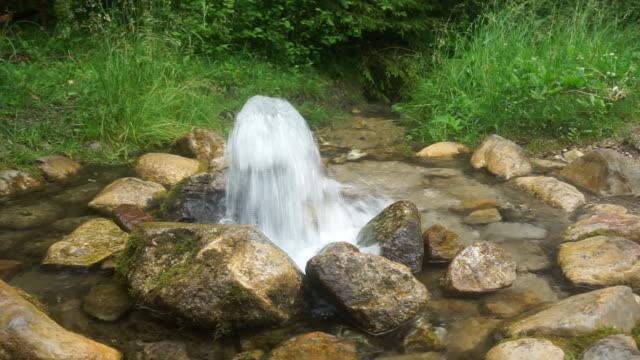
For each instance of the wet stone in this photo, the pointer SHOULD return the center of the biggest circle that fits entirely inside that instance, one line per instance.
(127, 191)
(470, 338)
(315, 346)
(484, 216)
(501, 157)
(249, 355)
(130, 216)
(204, 144)
(14, 182)
(107, 302)
(526, 349)
(166, 169)
(422, 336)
(528, 255)
(440, 244)
(552, 191)
(57, 168)
(481, 267)
(526, 292)
(442, 149)
(200, 199)
(163, 350)
(447, 309)
(8, 268)
(431, 355)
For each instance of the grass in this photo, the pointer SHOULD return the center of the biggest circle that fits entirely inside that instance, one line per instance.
(131, 93)
(532, 71)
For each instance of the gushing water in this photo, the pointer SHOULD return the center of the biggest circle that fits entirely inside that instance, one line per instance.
(277, 182)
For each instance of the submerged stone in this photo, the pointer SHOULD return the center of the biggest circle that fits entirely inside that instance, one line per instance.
(379, 295)
(526, 349)
(481, 267)
(88, 245)
(222, 276)
(501, 157)
(483, 216)
(397, 231)
(422, 336)
(315, 346)
(526, 292)
(107, 302)
(127, 191)
(166, 169)
(21, 217)
(470, 338)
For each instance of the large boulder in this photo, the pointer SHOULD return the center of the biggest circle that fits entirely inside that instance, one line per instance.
(166, 169)
(57, 167)
(127, 191)
(604, 172)
(614, 307)
(200, 199)
(315, 346)
(378, 294)
(28, 333)
(501, 157)
(14, 182)
(479, 268)
(442, 149)
(397, 231)
(21, 217)
(525, 349)
(601, 261)
(609, 223)
(614, 347)
(552, 191)
(203, 144)
(223, 276)
(88, 245)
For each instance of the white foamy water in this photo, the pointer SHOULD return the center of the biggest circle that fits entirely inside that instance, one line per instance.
(277, 182)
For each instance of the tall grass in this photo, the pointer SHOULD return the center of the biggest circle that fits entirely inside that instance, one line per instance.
(131, 94)
(533, 70)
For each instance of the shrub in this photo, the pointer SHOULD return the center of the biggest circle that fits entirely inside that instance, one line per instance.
(532, 69)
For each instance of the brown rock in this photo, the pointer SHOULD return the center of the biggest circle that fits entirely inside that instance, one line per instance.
(107, 301)
(129, 216)
(604, 172)
(14, 182)
(28, 333)
(501, 157)
(57, 168)
(8, 268)
(440, 244)
(526, 349)
(472, 204)
(481, 267)
(127, 191)
(442, 149)
(166, 169)
(205, 145)
(484, 216)
(552, 191)
(606, 224)
(315, 346)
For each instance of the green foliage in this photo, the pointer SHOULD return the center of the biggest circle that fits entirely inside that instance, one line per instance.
(132, 93)
(533, 69)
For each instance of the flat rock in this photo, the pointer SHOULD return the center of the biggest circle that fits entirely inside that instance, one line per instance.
(378, 294)
(57, 168)
(483, 216)
(200, 199)
(107, 301)
(315, 346)
(501, 157)
(440, 244)
(205, 145)
(607, 224)
(552, 191)
(166, 169)
(21, 217)
(526, 349)
(88, 245)
(129, 216)
(601, 261)
(443, 149)
(481, 267)
(397, 231)
(8, 268)
(14, 182)
(615, 347)
(127, 191)
(223, 276)
(604, 172)
(615, 307)
(28, 333)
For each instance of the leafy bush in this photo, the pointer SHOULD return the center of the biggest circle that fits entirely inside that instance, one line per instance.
(533, 69)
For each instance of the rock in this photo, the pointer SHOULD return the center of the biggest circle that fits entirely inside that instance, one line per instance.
(315, 346)
(431, 355)
(356, 154)
(481, 267)
(21, 217)
(249, 355)
(200, 198)
(8, 268)
(28, 333)
(166, 169)
(205, 145)
(57, 168)
(67, 225)
(14, 182)
(470, 338)
(528, 255)
(604, 172)
(440, 244)
(127, 191)
(444, 173)
(164, 350)
(601, 261)
(223, 276)
(129, 216)
(378, 294)
(446, 309)
(484, 216)
(526, 349)
(513, 230)
(526, 292)
(472, 204)
(107, 302)
(616, 307)
(422, 337)
(606, 224)
(545, 166)
(593, 209)
(78, 195)
(501, 157)
(397, 231)
(572, 155)
(442, 149)
(88, 245)
(615, 347)
(552, 191)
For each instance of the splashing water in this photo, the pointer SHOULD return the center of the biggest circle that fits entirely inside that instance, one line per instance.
(277, 182)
